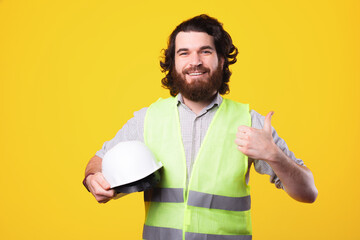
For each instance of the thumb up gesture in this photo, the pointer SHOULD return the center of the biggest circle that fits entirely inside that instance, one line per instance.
(257, 143)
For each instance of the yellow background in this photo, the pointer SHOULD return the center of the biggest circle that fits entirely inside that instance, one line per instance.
(73, 72)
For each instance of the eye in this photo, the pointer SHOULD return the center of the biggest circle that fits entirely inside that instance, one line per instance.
(183, 54)
(207, 52)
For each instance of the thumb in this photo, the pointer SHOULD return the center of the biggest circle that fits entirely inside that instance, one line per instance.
(267, 122)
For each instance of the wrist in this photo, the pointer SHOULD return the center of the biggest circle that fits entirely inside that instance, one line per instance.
(275, 154)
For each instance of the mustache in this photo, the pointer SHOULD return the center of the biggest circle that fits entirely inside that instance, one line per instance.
(195, 69)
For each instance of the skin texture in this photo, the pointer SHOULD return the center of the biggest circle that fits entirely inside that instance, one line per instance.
(196, 49)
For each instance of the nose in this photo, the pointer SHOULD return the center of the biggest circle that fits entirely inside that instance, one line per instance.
(195, 60)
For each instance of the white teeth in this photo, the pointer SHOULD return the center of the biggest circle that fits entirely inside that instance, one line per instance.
(195, 74)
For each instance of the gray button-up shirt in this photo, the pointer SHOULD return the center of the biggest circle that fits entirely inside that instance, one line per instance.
(193, 130)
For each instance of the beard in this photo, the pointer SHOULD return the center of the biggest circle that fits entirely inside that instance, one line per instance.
(201, 89)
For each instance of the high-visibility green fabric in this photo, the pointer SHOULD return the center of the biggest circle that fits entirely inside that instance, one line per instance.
(218, 172)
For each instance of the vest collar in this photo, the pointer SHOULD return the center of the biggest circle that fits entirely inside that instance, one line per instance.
(216, 102)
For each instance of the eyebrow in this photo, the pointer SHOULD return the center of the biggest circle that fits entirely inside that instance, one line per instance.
(202, 48)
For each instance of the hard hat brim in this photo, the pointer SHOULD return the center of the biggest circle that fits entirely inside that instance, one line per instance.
(141, 185)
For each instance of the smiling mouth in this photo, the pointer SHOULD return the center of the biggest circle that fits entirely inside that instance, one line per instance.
(196, 73)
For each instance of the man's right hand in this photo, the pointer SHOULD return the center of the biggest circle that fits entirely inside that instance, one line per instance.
(99, 187)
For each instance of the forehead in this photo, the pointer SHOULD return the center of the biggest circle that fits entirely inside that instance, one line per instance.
(193, 40)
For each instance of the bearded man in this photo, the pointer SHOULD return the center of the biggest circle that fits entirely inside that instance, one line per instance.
(206, 143)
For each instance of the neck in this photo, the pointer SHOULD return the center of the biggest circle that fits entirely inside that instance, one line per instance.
(197, 106)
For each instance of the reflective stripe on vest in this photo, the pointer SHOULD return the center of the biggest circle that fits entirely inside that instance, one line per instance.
(216, 202)
(175, 195)
(198, 199)
(160, 233)
(200, 236)
(212, 201)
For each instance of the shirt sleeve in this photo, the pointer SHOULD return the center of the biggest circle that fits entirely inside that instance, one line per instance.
(257, 121)
(133, 130)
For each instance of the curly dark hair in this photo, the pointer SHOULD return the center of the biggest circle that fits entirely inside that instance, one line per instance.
(223, 44)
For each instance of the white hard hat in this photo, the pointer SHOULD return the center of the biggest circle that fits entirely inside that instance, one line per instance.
(131, 167)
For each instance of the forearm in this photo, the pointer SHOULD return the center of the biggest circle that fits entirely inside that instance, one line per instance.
(259, 144)
(297, 180)
(94, 165)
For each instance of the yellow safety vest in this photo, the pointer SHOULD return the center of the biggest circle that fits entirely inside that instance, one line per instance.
(216, 204)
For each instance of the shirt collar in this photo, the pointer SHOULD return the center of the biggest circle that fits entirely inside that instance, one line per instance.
(215, 102)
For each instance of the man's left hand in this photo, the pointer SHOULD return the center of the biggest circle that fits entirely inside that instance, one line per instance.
(257, 143)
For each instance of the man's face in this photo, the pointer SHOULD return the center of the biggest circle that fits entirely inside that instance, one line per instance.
(198, 71)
